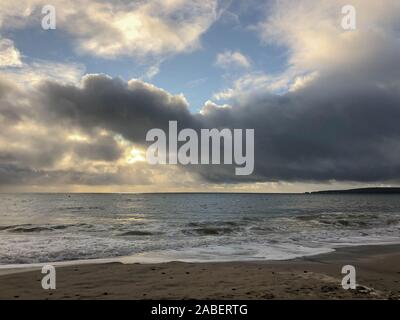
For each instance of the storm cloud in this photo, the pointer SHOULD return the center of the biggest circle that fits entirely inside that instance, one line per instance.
(337, 118)
(344, 130)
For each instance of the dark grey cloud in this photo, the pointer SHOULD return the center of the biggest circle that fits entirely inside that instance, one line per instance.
(103, 149)
(10, 112)
(346, 130)
(130, 109)
(13, 175)
(344, 126)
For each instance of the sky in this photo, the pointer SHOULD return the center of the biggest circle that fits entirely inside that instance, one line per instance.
(76, 101)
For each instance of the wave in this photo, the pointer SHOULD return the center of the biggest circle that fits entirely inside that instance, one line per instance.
(212, 228)
(350, 220)
(81, 208)
(213, 223)
(138, 233)
(31, 228)
(210, 231)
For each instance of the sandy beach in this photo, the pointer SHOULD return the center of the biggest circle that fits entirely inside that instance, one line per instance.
(316, 277)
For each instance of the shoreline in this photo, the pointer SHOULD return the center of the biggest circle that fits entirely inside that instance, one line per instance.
(157, 258)
(311, 277)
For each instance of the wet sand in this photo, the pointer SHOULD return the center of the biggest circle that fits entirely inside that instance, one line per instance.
(316, 277)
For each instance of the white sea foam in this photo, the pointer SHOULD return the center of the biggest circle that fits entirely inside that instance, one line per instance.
(160, 228)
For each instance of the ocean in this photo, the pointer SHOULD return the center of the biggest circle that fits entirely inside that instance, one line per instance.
(40, 228)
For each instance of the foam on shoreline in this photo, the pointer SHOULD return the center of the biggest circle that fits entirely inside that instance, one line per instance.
(163, 257)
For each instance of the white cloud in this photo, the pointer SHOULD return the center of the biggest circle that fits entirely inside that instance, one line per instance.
(232, 59)
(317, 45)
(258, 83)
(210, 106)
(315, 38)
(9, 55)
(151, 72)
(121, 28)
(302, 81)
(30, 74)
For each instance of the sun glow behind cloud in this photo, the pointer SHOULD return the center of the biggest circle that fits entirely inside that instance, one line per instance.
(63, 129)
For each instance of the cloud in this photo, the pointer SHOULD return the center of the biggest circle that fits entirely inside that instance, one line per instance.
(315, 39)
(112, 29)
(254, 83)
(152, 72)
(23, 70)
(316, 44)
(258, 83)
(127, 108)
(48, 140)
(232, 59)
(341, 127)
(9, 55)
(332, 115)
(327, 130)
(35, 71)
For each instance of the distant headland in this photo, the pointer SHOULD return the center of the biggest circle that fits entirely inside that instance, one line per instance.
(374, 190)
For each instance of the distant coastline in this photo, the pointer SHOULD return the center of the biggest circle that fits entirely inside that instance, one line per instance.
(373, 190)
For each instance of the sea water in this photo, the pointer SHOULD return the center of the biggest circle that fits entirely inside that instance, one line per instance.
(39, 228)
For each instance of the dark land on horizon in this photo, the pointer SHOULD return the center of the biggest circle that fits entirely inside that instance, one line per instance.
(373, 190)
